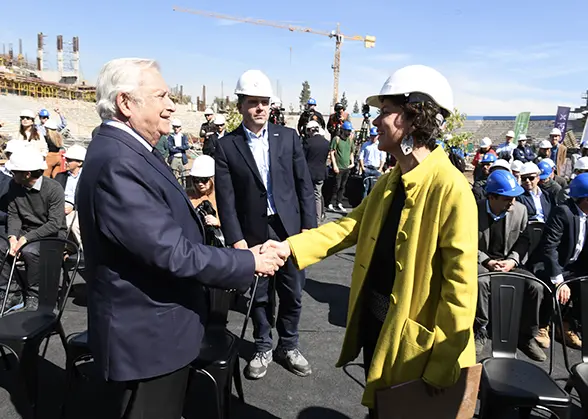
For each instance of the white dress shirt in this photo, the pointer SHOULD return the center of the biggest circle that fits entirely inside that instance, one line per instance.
(71, 185)
(539, 214)
(259, 146)
(579, 245)
(129, 130)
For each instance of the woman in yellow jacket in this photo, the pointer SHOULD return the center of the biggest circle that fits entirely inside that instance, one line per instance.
(414, 283)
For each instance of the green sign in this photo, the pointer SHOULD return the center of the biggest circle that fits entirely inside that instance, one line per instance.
(521, 125)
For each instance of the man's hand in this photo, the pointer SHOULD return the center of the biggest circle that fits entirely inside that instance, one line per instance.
(268, 262)
(492, 265)
(282, 248)
(351, 165)
(20, 243)
(211, 220)
(57, 110)
(564, 294)
(68, 209)
(335, 169)
(241, 244)
(506, 265)
(13, 243)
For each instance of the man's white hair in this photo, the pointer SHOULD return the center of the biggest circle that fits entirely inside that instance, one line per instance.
(122, 75)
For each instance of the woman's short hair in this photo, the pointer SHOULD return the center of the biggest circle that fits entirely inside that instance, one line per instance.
(122, 75)
(425, 119)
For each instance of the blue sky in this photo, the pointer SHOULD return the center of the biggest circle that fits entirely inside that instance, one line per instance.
(501, 57)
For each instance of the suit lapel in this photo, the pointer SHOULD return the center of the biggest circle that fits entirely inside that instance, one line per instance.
(240, 140)
(507, 230)
(483, 224)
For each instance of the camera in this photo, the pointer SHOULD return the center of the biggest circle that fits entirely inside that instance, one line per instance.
(365, 110)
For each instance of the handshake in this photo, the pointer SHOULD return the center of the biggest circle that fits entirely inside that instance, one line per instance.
(269, 257)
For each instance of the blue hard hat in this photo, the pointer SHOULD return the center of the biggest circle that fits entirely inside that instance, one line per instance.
(44, 113)
(347, 126)
(546, 169)
(373, 131)
(579, 186)
(501, 182)
(488, 158)
(311, 101)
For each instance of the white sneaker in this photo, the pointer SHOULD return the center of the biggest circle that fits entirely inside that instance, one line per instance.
(294, 361)
(340, 207)
(257, 367)
(330, 207)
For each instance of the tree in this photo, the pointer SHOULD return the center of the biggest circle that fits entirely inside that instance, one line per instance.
(304, 94)
(233, 117)
(344, 100)
(356, 107)
(453, 123)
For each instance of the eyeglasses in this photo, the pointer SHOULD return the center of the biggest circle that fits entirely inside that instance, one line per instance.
(22, 118)
(201, 179)
(529, 178)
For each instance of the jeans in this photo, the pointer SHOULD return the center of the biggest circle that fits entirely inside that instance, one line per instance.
(369, 172)
(289, 282)
(318, 199)
(340, 183)
(30, 255)
(531, 304)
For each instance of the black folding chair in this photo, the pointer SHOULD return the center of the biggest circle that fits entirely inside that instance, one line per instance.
(535, 233)
(578, 378)
(22, 332)
(508, 382)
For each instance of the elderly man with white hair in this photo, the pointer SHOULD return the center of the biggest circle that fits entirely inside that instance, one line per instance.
(144, 246)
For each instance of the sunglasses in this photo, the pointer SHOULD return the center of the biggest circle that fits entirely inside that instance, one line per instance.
(70, 160)
(22, 118)
(529, 178)
(201, 179)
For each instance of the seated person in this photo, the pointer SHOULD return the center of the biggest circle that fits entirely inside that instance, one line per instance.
(538, 204)
(562, 254)
(523, 152)
(515, 169)
(484, 170)
(503, 243)
(11, 147)
(74, 159)
(547, 182)
(35, 210)
(485, 147)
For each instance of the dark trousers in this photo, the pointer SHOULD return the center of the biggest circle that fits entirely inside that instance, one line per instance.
(531, 304)
(340, 183)
(371, 328)
(30, 256)
(155, 398)
(288, 283)
(370, 171)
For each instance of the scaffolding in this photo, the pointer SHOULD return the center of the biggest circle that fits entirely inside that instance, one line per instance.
(11, 83)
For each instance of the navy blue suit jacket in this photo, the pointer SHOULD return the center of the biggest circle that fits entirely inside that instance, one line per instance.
(241, 196)
(546, 203)
(146, 262)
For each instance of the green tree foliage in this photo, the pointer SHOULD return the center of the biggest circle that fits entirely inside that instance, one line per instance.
(344, 100)
(356, 107)
(453, 123)
(304, 94)
(233, 117)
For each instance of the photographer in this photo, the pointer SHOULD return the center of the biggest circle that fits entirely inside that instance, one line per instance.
(310, 114)
(276, 115)
(336, 120)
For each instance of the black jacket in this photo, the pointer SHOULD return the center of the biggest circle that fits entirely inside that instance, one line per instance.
(210, 145)
(316, 150)
(4, 186)
(479, 189)
(524, 154)
(547, 203)
(241, 196)
(308, 116)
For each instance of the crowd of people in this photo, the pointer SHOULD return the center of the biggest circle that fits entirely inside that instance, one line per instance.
(156, 235)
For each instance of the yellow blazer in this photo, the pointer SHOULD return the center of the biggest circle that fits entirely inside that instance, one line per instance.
(427, 332)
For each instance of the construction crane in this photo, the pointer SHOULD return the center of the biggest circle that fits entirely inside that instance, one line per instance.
(369, 41)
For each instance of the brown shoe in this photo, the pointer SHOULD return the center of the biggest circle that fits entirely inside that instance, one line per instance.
(542, 337)
(572, 340)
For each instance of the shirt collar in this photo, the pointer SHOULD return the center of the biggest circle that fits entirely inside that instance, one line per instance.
(75, 176)
(129, 130)
(492, 215)
(580, 212)
(251, 135)
(37, 185)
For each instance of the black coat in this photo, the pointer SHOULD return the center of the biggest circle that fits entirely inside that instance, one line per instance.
(547, 203)
(209, 145)
(241, 196)
(316, 150)
(146, 261)
(4, 187)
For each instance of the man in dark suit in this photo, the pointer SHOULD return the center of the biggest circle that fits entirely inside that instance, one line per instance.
(563, 254)
(264, 192)
(503, 242)
(146, 262)
(316, 149)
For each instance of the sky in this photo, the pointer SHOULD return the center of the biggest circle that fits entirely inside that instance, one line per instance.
(501, 57)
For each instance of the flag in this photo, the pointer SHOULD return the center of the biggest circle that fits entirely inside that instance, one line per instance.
(521, 125)
(561, 120)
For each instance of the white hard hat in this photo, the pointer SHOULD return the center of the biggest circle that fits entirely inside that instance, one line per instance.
(276, 100)
(550, 162)
(516, 166)
(27, 113)
(14, 145)
(585, 144)
(555, 131)
(416, 81)
(529, 169)
(501, 163)
(485, 142)
(208, 111)
(312, 124)
(522, 137)
(176, 122)
(545, 144)
(76, 152)
(254, 83)
(26, 160)
(203, 166)
(50, 124)
(219, 120)
(510, 134)
(581, 164)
